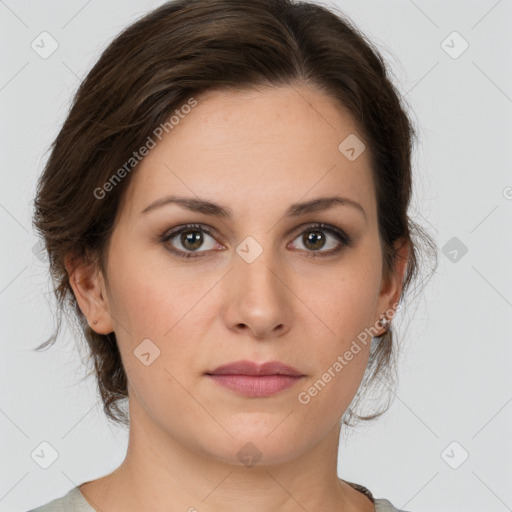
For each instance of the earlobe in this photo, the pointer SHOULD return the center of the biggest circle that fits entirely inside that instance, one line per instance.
(392, 291)
(89, 289)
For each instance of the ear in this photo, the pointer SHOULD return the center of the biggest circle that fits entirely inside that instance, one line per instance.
(391, 289)
(87, 282)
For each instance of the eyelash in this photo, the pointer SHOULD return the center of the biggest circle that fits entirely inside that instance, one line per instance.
(343, 238)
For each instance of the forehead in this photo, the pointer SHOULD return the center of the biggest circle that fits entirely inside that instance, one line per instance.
(272, 145)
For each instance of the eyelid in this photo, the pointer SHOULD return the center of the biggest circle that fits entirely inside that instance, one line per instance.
(343, 238)
(171, 233)
(319, 225)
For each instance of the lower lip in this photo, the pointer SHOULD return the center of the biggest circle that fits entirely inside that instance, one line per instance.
(256, 386)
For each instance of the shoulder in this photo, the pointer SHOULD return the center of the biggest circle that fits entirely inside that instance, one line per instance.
(382, 505)
(73, 501)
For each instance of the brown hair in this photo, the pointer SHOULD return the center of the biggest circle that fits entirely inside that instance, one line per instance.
(179, 50)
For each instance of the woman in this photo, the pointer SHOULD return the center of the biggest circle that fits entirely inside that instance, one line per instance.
(226, 208)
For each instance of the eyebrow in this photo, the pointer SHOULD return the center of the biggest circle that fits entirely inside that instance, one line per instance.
(295, 210)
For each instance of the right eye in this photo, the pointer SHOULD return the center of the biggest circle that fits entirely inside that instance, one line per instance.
(191, 238)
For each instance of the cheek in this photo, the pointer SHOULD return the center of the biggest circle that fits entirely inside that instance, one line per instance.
(153, 310)
(345, 302)
(147, 296)
(341, 358)
(342, 301)
(156, 301)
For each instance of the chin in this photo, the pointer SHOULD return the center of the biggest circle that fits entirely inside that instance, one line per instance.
(255, 448)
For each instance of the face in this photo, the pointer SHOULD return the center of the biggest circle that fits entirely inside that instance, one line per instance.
(257, 284)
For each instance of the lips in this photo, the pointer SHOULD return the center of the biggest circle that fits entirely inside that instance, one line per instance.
(256, 380)
(252, 368)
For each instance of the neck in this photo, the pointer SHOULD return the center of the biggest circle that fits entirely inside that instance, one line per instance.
(169, 475)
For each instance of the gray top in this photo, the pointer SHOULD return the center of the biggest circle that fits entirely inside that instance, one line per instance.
(74, 501)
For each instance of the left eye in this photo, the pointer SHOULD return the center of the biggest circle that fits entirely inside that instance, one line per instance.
(314, 238)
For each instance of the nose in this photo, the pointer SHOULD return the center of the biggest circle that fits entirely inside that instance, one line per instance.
(258, 299)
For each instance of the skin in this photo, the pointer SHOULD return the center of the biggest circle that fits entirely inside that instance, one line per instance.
(256, 152)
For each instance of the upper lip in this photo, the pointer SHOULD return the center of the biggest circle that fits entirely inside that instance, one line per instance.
(252, 368)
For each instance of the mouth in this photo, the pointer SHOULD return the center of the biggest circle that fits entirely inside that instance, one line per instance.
(256, 380)
(256, 386)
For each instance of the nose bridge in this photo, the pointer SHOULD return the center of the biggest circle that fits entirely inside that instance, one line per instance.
(257, 297)
(257, 263)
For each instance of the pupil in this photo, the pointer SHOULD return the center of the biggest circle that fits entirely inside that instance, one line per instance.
(189, 236)
(312, 237)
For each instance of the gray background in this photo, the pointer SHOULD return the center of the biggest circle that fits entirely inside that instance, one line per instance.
(455, 378)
